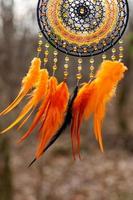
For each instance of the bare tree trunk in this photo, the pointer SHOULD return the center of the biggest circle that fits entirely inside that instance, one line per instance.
(7, 15)
(5, 172)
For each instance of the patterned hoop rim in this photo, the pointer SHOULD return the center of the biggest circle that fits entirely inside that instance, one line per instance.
(82, 27)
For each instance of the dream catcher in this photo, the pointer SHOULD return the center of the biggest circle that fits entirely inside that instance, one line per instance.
(80, 28)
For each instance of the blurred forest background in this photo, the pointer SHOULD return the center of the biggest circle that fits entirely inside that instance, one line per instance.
(56, 176)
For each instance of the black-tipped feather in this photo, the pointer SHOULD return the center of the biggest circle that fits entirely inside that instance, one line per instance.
(65, 124)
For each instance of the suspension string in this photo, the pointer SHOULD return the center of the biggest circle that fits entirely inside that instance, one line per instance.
(104, 56)
(121, 49)
(66, 67)
(55, 61)
(46, 53)
(40, 43)
(113, 57)
(91, 69)
(79, 70)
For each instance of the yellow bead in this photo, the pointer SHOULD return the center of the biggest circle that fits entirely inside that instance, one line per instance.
(40, 35)
(75, 49)
(66, 66)
(66, 58)
(55, 60)
(79, 76)
(80, 60)
(47, 45)
(64, 44)
(55, 53)
(104, 43)
(45, 60)
(113, 50)
(92, 68)
(104, 56)
(82, 10)
(39, 49)
(46, 53)
(54, 67)
(121, 48)
(79, 68)
(85, 50)
(49, 32)
(95, 47)
(65, 15)
(56, 40)
(91, 76)
(120, 41)
(121, 55)
(91, 60)
(66, 74)
(113, 57)
(40, 42)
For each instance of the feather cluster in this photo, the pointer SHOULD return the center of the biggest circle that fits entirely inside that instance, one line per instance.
(55, 110)
(92, 99)
(52, 99)
(43, 109)
(36, 97)
(54, 118)
(51, 114)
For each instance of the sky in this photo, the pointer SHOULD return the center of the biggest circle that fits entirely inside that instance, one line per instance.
(21, 15)
(21, 6)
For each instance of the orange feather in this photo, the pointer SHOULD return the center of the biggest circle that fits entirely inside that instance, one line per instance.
(52, 85)
(79, 106)
(37, 95)
(107, 78)
(27, 83)
(93, 97)
(54, 118)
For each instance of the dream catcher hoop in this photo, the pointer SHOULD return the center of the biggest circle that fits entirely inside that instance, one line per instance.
(80, 28)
